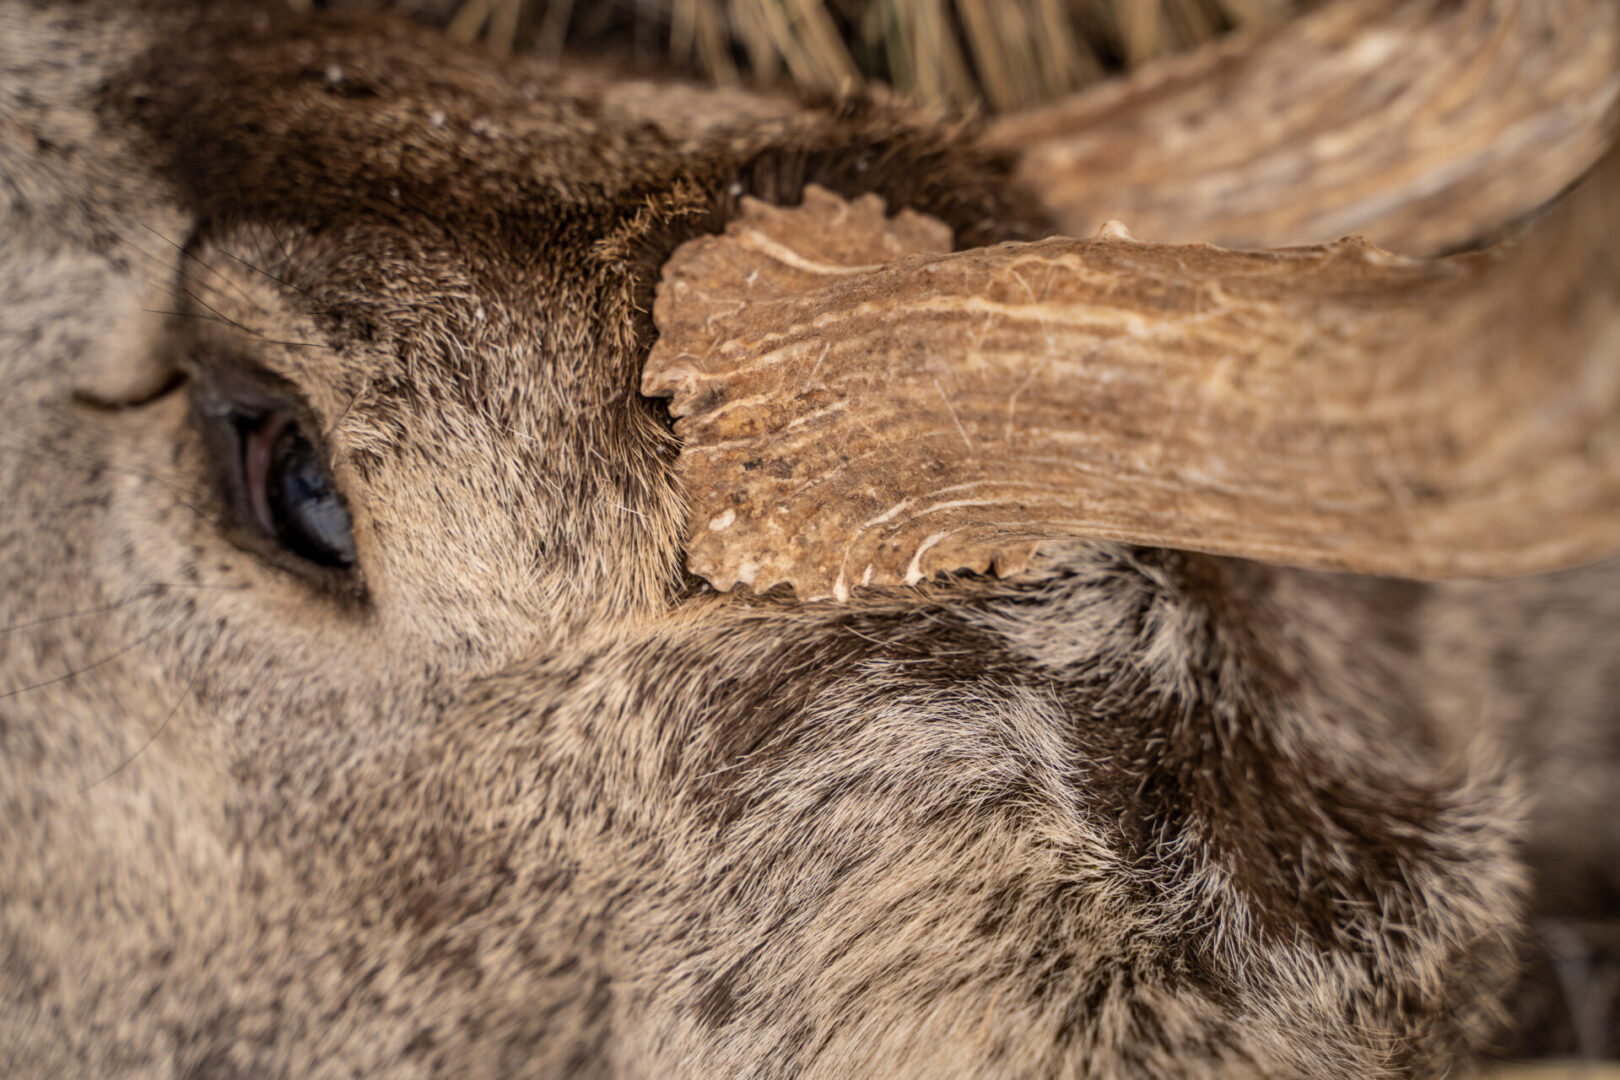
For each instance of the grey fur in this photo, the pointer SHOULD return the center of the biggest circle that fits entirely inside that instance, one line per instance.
(530, 803)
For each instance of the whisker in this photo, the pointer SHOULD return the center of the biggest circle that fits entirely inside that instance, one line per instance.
(163, 726)
(279, 281)
(236, 289)
(286, 252)
(53, 504)
(283, 282)
(185, 315)
(353, 398)
(151, 463)
(95, 463)
(227, 321)
(251, 331)
(76, 672)
(220, 315)
(224, 281)
(152, 592)
(166, 267)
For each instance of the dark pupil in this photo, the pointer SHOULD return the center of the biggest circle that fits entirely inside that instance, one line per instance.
(309, 518)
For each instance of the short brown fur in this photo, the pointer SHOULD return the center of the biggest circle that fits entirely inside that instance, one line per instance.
(522, 799)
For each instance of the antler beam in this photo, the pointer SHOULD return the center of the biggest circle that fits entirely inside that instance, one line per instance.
(861, 408)
(1424, 125)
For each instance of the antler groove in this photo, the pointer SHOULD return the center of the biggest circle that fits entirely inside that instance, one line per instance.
(858, 416)
(1424, 125)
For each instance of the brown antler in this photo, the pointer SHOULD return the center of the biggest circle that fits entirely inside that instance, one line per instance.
(849, 422)
(1421, 124)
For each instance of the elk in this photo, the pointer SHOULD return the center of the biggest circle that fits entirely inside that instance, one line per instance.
(512, 570)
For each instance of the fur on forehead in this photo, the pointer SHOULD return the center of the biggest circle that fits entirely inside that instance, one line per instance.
(366, 163)
(338, 124)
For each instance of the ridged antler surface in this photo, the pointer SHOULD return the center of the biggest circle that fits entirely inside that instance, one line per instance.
(861, 409)
(1423, 125)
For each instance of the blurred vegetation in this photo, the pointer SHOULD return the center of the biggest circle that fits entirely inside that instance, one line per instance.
(952, 54)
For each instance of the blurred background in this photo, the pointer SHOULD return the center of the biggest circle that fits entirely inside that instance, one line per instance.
(962, 55)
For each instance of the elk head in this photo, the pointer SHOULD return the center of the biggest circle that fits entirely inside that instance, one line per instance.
(360, 715)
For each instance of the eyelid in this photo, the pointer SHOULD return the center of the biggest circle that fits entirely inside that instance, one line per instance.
(236, 385)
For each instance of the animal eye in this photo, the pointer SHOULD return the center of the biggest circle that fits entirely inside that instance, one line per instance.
(293, 498)
(275, 476)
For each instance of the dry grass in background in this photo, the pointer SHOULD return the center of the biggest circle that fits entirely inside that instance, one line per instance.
(955, 54)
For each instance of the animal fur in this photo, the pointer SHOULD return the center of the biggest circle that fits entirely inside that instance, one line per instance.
(524, 800)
